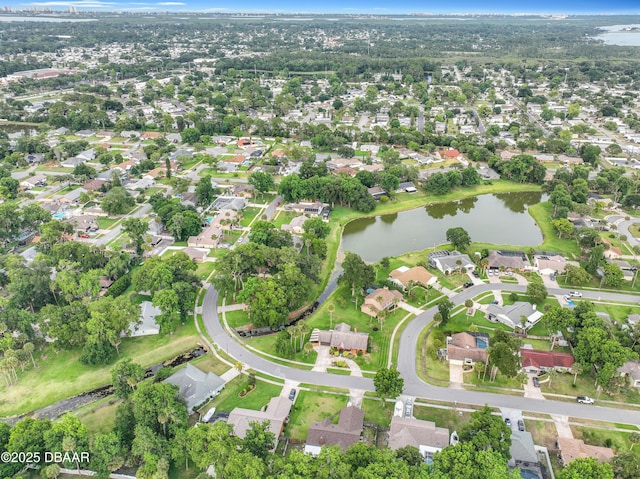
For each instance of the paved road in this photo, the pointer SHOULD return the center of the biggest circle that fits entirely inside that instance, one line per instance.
(414, 386)
(623, 227)
(115, 231)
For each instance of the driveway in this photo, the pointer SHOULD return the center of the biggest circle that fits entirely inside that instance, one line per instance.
(409, 308)
(530, 391)
(456, 376)
(562, 426)
(323, 360)
(548, 282)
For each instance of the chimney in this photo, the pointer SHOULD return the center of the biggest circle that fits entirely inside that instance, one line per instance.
(355, 330)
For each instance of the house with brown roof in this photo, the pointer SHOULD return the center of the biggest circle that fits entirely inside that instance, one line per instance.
(275, 414)
(534, 361)
(94, 185)
(341, 338)
(571, 449)
(344, 434)
(296, 225)
(424, 435)
(379, 300)
(451, 153)
(631, 370)
(150, 135)
(242, 190)
(404, 275)
(467, 348)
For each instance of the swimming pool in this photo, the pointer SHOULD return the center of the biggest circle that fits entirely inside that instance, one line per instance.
(59, 216)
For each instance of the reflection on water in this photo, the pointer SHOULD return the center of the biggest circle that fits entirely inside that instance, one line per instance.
(499, 219)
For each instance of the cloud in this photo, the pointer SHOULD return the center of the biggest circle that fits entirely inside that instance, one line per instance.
(170, 3)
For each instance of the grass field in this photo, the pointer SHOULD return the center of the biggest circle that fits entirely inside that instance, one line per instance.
(256, 399)
(106, 223)
(62, 375)
(542, 215)
(312, 407)
(449, 418)
(377, 412)
(248, 214)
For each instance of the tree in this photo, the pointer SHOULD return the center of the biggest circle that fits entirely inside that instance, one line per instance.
(634, 438)
(316, 227)
(487, 432)
(626, 466)
(564, 227)
(205, 191)
(576, 275)
(168, 301)
(388, 383)
(136, 228)
(107, 454)
(262, 182)
(537, 291)
(117, 201)
(586, 468)
(444, 308)
(125, 376)
(613, 275)
(465, 461)
(191, 135)
(356, 273)
(259, 440)
(459, 238)
(504, 358)
(158, 407)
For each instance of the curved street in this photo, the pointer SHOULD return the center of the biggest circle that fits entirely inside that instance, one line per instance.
(413, 385)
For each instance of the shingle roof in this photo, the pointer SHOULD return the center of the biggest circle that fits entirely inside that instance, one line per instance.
(343, 434)
(414, 432)
(545, 359)
(195, 385)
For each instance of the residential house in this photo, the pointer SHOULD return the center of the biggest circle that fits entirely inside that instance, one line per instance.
(344, 434)
(94, 185)
(508, 260)
(311, 209)
(155, 227)
(85, 224)
(296, 225)
(548, 264)
(85, 133)
(341, 338)
(189, 199)
(71, 197)
(195, 254)
(105, 284)
(450, 154)
(467, 348)
(534, 361)
(146, 325)
(631, 370)
(276, 414)
(571, 449)
(150, 135)
(379, 300)
(195, 386)
(423, 435)
(407, 187)
(524, 455)
(450, 261)
(34, 182)
(377, 192)
(209, 237)
(418, 275)
(512, 315)
(34, 158)
(242, 190)
(72, 162)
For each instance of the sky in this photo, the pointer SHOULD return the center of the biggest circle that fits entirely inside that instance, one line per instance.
(346, 6)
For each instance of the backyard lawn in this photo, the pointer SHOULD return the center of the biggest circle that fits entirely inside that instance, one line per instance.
(256, 399)
(312, 407)
(449, 418)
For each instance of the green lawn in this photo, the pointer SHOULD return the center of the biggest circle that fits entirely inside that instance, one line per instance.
(283, 218)
(461, 322)
(100, 416)
(105, 223)
(448, 418)
(542, 215)
(228, 399)
(235, 319)
(617, 440)
(312, 407)
(377, 412)
(248, 214)
(204, 269)
(62, 375)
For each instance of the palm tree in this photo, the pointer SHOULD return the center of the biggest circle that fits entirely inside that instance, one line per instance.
(634, 438)
(28, 348)
(239, 367)
(303, 330)
(552, 373)
(576, 368)
(331, 308)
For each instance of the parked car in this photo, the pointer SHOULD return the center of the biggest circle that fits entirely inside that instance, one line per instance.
(536, 382)
(585, 400)
(292, 394)
(507, 421)
(520, 425)
(408, 408)
(475, 274)
(495, 301)
(468, 284)
(575, 294)
(567, 298)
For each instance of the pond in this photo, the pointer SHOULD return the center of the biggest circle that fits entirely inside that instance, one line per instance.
(624, 35)
(499, 218)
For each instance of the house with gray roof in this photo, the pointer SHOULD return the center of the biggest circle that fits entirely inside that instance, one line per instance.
(524, 455)
(450, 261)
(509, 260)
(146, 323)
(512, 315)
(631, 370)
(195, 386)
